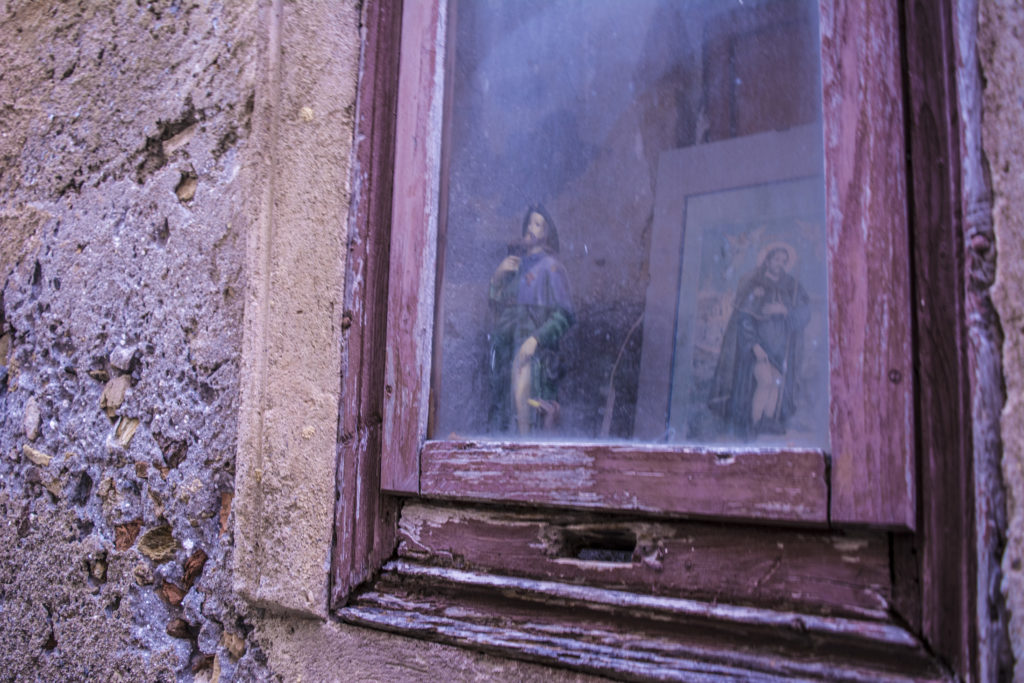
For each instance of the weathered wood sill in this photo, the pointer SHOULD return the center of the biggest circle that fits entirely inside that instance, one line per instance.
(634, 636)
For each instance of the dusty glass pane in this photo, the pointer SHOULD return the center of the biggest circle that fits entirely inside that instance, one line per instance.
(632, 231)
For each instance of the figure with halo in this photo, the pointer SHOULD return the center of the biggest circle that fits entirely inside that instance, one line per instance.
(531, 306)
(756, 379)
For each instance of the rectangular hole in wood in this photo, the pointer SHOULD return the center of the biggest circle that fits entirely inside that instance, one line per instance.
(598, 545)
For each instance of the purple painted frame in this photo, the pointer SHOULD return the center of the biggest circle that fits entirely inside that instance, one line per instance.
(872, 423)
(936, 572)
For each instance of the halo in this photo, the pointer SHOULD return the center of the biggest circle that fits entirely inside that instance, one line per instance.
(772, 246)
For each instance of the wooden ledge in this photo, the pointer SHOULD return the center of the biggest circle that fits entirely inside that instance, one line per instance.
(634, 636)
(766, 484)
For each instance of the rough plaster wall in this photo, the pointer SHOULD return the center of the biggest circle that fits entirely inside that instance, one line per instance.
(307, 650)
(1001, 50)
(126, 158)
(121, 266)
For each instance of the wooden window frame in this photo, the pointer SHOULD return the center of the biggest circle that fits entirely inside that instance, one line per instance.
(871, 361)
(936, 543)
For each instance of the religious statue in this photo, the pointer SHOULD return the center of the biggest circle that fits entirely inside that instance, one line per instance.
(532, 308)
(756, 380)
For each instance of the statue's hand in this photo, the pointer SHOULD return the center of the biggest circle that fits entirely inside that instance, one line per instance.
(526, 351)
(510, 264)
(775, 308)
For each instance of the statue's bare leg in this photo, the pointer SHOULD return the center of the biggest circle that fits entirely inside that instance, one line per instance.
(521, 383)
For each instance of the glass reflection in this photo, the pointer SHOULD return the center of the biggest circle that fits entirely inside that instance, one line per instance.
(659, 308)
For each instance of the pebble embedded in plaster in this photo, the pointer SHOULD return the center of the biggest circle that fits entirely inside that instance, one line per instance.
(37, 456)
(33, 419)
(113, 394)
(121, 358)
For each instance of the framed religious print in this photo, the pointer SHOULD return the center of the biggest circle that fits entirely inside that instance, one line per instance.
(738, 292)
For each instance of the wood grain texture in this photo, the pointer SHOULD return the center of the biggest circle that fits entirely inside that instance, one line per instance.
(634, 636)
(765, 484)
(413, 243)
(872, 378)
(814, 571)
(364, 519)
(944, 438)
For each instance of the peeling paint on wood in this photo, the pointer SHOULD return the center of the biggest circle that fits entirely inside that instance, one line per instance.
(364, 519)
(651, 605)
(874, 377)
(633, 636)
(763, 484)
(414, 244)
(819, 571)
(985, 649)
(870, 313)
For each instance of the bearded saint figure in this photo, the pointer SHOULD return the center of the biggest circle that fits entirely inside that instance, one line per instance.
(532, 308)
(755, 384)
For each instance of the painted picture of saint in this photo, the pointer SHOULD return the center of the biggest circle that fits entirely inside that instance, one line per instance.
(757, 377)
(531, 306)
(749, 364)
